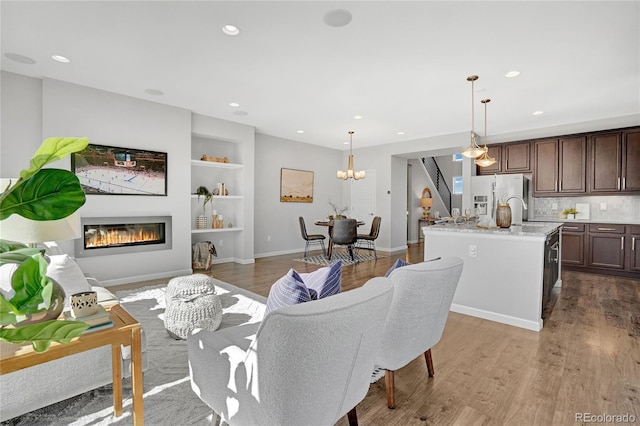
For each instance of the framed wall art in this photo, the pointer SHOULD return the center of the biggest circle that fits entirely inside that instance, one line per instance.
(296, 186)
(110, 170)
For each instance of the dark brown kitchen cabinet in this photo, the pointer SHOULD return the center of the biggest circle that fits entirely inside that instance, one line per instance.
(606, 246)
(572, 164)
(514, 157)
(545, 167)
(614, 162)
(631, 160)
(606, 167)
(573, 248)
(634, 249)
(560, 166)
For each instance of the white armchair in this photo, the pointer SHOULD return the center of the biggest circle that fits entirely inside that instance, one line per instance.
(422, 297)
(305, 364)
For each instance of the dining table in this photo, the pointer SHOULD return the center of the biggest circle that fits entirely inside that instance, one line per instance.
(329, 223)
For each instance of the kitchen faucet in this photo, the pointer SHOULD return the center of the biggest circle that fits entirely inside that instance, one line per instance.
(519, 198)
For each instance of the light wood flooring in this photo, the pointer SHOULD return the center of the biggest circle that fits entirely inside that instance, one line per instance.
(585, 360)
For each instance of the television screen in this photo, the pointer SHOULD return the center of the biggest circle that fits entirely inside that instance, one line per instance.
(120, 171)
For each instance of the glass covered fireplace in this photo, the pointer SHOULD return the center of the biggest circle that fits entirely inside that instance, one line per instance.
(117, 235)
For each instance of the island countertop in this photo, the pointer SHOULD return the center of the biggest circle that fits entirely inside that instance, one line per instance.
(527, 229)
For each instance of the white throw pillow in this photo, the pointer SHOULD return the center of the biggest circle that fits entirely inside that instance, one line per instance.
(6, 271)
(64, 269)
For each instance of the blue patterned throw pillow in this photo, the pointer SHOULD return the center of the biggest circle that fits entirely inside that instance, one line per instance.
(399, 263)
(325, 281)
(296, 288)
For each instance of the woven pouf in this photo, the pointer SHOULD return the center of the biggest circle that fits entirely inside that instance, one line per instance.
(191, 302)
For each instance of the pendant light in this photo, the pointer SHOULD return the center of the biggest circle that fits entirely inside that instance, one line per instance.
(350, 173)
(484, 160)
(473, 150)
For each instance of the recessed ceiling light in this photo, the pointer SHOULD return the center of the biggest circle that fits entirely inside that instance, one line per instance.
(231, 30)
(240, 113)
(154, 92)
(234, 104)
(345, 143)
(538, 112)
(357, 117)
(401, 133)
(20, 58)
(337, 18)
(512, 74)
(61, 58)
(300, 131)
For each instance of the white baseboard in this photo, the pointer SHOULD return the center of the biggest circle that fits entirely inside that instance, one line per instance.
(501, 318)
(279, 253)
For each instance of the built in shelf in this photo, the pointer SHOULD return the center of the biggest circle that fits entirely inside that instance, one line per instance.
(222, 197)
(215, 164)
(212, 231)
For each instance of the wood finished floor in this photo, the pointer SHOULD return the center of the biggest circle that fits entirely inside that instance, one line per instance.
(585, 360)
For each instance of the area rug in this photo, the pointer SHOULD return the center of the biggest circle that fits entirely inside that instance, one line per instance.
(340, 255)
(168, 398)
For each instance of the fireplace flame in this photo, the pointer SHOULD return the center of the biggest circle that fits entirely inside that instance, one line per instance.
(119, 235)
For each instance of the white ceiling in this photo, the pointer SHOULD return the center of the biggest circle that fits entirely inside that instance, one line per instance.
(401, 65)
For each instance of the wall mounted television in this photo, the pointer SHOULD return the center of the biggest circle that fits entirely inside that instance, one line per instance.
(110, 170)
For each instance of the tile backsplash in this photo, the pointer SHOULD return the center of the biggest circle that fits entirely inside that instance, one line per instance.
(611, 208)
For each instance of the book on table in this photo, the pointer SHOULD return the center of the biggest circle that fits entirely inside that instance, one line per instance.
(99, 318)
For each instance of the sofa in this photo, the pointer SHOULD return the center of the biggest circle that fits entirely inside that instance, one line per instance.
(32, 388)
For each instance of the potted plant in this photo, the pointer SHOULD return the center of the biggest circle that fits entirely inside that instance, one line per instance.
(569, 213)
(338, 213)
(201, 221)
(39, 194)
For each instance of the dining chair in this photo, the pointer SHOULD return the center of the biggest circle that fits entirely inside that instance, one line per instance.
(369, 240)
(345, 233)
(304, 364)
(422, 297)
(311, 238)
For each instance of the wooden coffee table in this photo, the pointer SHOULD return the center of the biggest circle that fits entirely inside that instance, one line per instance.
(125, 331)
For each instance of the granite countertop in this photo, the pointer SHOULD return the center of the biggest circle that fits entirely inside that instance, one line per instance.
(528, 229)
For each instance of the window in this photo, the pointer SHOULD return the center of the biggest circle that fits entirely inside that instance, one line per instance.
(457, 157)
(457, 185)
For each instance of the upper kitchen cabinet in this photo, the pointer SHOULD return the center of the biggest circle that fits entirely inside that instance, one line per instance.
(612, 160)
(560, 166)
(512, 157)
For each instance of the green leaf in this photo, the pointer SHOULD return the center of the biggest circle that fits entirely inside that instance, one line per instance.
(8, 245)
(8, 313)
(33, 288)
(50, 194)
(41, 334)
(53, 149)
(18, 256)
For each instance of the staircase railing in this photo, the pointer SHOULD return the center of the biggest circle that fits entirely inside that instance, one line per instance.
(438, 179)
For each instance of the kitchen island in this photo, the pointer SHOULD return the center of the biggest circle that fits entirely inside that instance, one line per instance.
(508, 274)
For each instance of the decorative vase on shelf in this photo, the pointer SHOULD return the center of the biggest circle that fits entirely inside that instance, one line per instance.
(503, 215)
(571, 216)
(201, 222)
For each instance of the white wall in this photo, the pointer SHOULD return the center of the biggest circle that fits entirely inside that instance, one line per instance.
(276, 224)
(21, 130)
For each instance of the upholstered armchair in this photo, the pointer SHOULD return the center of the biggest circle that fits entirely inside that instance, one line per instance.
(422, 297)
(305, 364)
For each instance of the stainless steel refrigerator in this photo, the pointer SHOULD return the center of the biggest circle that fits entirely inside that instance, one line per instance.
(487, 191)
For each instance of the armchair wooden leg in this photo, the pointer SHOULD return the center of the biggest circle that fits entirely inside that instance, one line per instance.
(388, 380)
(353, 417)
(427, 357)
